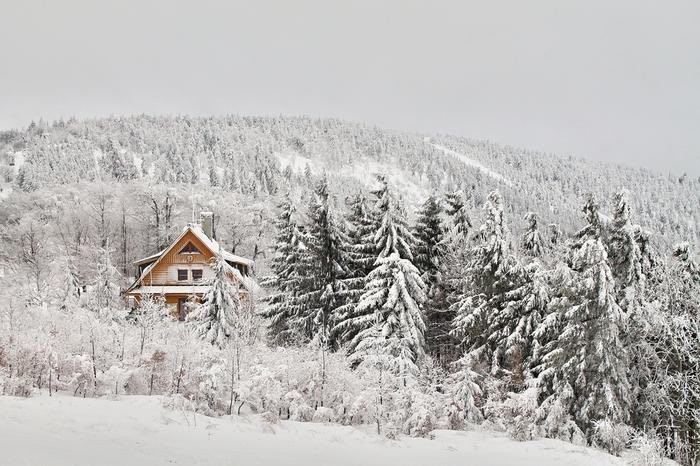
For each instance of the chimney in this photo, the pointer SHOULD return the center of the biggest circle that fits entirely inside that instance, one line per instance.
(206, 219)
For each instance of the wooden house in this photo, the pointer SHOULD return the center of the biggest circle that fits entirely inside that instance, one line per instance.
(181, 272)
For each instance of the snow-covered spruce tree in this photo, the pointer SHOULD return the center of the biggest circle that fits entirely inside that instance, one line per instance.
(442, 344)
(639, 304)
(362, 225)
(387, 233)
(463, 393)
(501, 303)
(286, 276)
(430, 251)
(624, 254)
(457, 210)
(215, 319)
(586, 360)
(532, 241)
(392, 307)
(389, 314)
(392, 234)
(325, 262)
(680, 350)
(555, 234)
(596, 226)
(430, 246)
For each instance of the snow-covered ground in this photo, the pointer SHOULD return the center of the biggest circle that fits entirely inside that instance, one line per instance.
(137, 430)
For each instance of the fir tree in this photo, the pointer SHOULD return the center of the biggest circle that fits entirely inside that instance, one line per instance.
(624, 254)
(488, 277)
(555, 234)
(392, 234)
(213, 174)
(680, 350)
(287, 277)
(325, 261)
(430, 251)
(390, 310)
(389, 314)
(587, 358)
(215, 319)
(457, 210)
(442, 343)
(595, 223)
(532, 241)
(430, 245)
(387, 234)
(362, 255)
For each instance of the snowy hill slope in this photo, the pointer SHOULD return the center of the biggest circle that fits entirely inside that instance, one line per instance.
(248, 155)
(472, 163)
(136, 430)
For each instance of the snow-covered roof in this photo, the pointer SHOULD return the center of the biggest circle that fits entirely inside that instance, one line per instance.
(215, 246)
(149, 258)
(212, 244)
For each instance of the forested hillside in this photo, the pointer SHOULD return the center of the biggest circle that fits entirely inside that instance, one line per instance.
(261, 157)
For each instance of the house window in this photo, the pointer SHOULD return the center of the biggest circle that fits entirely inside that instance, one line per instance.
(181, 275)
(189, 249)
(196, 274)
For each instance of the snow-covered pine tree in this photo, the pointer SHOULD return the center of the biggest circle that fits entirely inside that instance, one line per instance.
(287, 276)
(586, 358)
(595, 224)
(680, 350)
(325, 262)
(389, 315)
(457, 209)
(430, 246)
(626, 263)
(391, 312)
(442, 344)
(484, 316)
(215, 319)
(624, 254)
(392, 234)
(463, 392)
(532, 241)
(362, 225)
(387, 233)
(555, 234)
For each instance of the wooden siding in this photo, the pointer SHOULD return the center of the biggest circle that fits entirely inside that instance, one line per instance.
(165, 272)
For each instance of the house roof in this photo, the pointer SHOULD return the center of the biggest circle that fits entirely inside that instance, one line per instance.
(211, 244)
(149, 258)
(214, 246)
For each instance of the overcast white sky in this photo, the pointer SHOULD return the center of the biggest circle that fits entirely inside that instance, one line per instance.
(615, 80)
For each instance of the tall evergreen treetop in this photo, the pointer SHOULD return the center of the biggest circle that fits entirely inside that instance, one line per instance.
(623, 251)
(595, 223)
(430, 247)
(532, 241)
(325, 260)
(392, 234)
(287, 277)
(458, 210)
